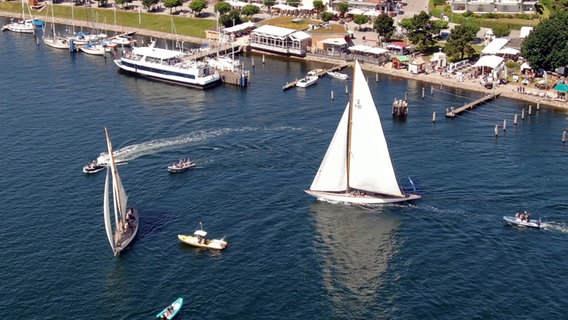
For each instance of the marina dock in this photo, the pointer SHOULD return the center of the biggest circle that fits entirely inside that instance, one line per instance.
(319, 74)
(452, 113)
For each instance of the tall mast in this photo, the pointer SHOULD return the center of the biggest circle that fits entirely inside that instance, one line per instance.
(349, 125)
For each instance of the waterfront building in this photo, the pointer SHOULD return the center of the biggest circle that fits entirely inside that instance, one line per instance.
(280, 40)
(494, 6)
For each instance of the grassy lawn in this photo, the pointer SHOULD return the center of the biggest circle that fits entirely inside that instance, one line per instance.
(194, 27)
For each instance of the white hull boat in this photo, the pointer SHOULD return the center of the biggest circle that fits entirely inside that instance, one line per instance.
(306, 81)
(181, 166)
(535, 224)
(338, 75)
(168, 66)
(357, 168)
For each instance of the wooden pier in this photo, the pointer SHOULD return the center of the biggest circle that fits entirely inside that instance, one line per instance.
(319, 74)
(452, 113)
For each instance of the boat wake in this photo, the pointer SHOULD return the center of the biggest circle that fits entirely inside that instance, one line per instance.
(554, 226)
(135, 151)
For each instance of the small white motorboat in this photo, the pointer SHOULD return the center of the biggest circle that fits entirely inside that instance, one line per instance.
(306, 81)
(523, 220)
(198, 239)
(181, 166)
(338, 75)
(94, 167)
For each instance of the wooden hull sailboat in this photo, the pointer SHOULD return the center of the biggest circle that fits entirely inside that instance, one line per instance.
(357, 167)
(124, 228)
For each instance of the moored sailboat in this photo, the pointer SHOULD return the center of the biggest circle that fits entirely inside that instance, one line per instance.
(122, 231)
(357, 167)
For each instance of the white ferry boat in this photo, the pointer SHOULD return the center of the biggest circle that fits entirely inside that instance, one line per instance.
(168, 66)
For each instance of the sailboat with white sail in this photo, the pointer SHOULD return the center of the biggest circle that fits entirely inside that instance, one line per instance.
(357, 167)
(124, 228)
(53, 40)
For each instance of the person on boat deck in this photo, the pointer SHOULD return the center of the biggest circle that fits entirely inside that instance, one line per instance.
(517, 215)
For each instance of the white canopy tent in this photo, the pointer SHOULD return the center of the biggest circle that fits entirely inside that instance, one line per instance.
(366, 49)
(495, 45)
(239, 27)
(489, 61)
(238, 4)
(282, 6)
(508, 51)
(355, 11)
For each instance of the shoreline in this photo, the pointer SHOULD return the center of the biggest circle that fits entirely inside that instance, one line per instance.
(434, 79)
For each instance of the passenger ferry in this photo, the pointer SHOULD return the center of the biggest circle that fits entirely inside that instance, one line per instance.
(169, 66)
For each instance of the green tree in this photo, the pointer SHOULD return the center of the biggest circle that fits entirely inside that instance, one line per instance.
(269, 3)
(250, 10)
(294, 3)
(501, 31)
(318, 5)
(360, 19)
(222, 7)
(227, 20)
(172, 4)
(460, 42)
(547, 45)
(149, 3)
(342, 8)
(422, 30)
(384, 25)
(197, 6)
(326, 16)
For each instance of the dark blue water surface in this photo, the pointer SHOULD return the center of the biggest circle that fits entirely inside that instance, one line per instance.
(447, 256)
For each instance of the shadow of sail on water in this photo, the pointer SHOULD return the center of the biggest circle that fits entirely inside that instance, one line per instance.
(356, 245)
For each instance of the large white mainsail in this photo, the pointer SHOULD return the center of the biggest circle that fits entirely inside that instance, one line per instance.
(119, 195)
(358, 158)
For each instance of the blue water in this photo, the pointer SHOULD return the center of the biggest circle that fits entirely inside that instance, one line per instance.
(447, 256)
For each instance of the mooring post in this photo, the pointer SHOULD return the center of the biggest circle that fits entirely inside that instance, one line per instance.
(405, 96)
(346, 90)
(504, 125)
(332, 95)
(523, 114)
(564, 136)
(537, 106)
(434, 117)
(530, 109)
(497, 130)
(515, 119)
(262, 59)
(423, 89)
(376, 77)
(252, 62)
(431, 90)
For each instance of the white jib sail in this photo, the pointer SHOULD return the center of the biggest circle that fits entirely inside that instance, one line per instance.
(332, 173)
(106, 211)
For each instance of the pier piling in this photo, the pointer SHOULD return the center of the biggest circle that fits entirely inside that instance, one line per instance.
(434, 117)
(564, 136)
(515, 119)
(497, 130)
(504, 125)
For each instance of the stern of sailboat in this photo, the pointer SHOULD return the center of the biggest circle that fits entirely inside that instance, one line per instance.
(124, 237)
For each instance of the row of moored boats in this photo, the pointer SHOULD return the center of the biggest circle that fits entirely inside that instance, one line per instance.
(312, 77)
(172, 66)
